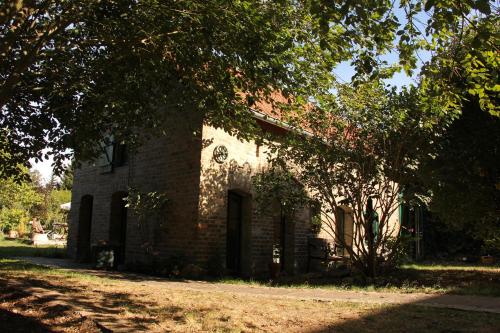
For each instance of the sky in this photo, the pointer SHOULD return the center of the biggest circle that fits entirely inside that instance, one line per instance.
(44, 167)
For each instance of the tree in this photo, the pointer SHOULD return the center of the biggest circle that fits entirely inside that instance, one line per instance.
(48, 210)
(66, 182)
(356, 152)
(410, 28)
(461, 172)
(73, 71)
(279, 185)
(463, 176)
(17, 201)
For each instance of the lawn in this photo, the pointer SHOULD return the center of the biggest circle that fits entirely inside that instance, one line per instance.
(453, 278)
(53, 300)
(23, 248)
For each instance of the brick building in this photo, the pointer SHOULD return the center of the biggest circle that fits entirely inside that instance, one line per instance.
(211, 218)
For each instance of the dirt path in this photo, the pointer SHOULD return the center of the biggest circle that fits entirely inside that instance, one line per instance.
(469, 303)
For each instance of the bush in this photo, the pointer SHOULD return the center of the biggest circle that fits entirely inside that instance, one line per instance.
(492, 246)
(13, 219)
(400, 249)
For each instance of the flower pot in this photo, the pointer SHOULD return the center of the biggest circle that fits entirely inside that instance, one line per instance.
(13, 234)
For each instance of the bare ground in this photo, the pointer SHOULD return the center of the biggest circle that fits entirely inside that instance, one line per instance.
(48, 301)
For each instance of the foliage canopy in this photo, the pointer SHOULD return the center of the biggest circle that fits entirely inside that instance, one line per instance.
(73, 71)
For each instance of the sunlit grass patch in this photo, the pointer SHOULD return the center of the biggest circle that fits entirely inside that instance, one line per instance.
(452, 267)
(411, 278)
(22, 248)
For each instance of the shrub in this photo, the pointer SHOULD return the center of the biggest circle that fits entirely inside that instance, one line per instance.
(13, 219)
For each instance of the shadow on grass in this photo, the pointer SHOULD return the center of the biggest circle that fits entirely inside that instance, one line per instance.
(57, 299)
(467, 280)
(409, 318)
(16, 323)
(62, 303)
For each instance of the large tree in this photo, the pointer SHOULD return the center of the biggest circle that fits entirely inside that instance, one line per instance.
(70, 69)
(461, 172)
(462, 176)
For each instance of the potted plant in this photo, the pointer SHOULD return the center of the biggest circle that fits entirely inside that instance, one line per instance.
(275, 266)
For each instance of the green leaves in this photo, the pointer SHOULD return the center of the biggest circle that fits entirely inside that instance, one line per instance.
(72, 70)
(377, 28)
(483, 6)
(278, 185)
(429, 4)
(17, 201)
(130, 65)
(466, 67)
(145, 203)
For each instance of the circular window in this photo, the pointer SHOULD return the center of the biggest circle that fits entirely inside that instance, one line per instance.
(220, 154)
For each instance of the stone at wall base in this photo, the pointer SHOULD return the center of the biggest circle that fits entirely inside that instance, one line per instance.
(192, 271)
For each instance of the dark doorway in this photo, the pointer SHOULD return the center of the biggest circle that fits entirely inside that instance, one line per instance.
(83, 251)
(283, 248)
(233, 235)
(341, 237)
(412, 222)
(118, 226)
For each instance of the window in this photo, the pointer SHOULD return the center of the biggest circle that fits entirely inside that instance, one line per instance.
(372, 215)
(315, 211)
(113, 154)
(120, 156)
(340, 225)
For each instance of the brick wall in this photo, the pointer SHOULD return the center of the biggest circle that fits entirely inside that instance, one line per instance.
(194, 226)
(195, 222)
(244, 160)
(170, 165)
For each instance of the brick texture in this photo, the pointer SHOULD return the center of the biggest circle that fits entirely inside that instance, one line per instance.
(194, 225)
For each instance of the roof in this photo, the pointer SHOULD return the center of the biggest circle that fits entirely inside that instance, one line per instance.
(270, 116)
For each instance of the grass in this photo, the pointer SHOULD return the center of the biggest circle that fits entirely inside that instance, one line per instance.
(34, 294)
(22, 248)
(454, 266)
(453, 278)
(22, 267)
